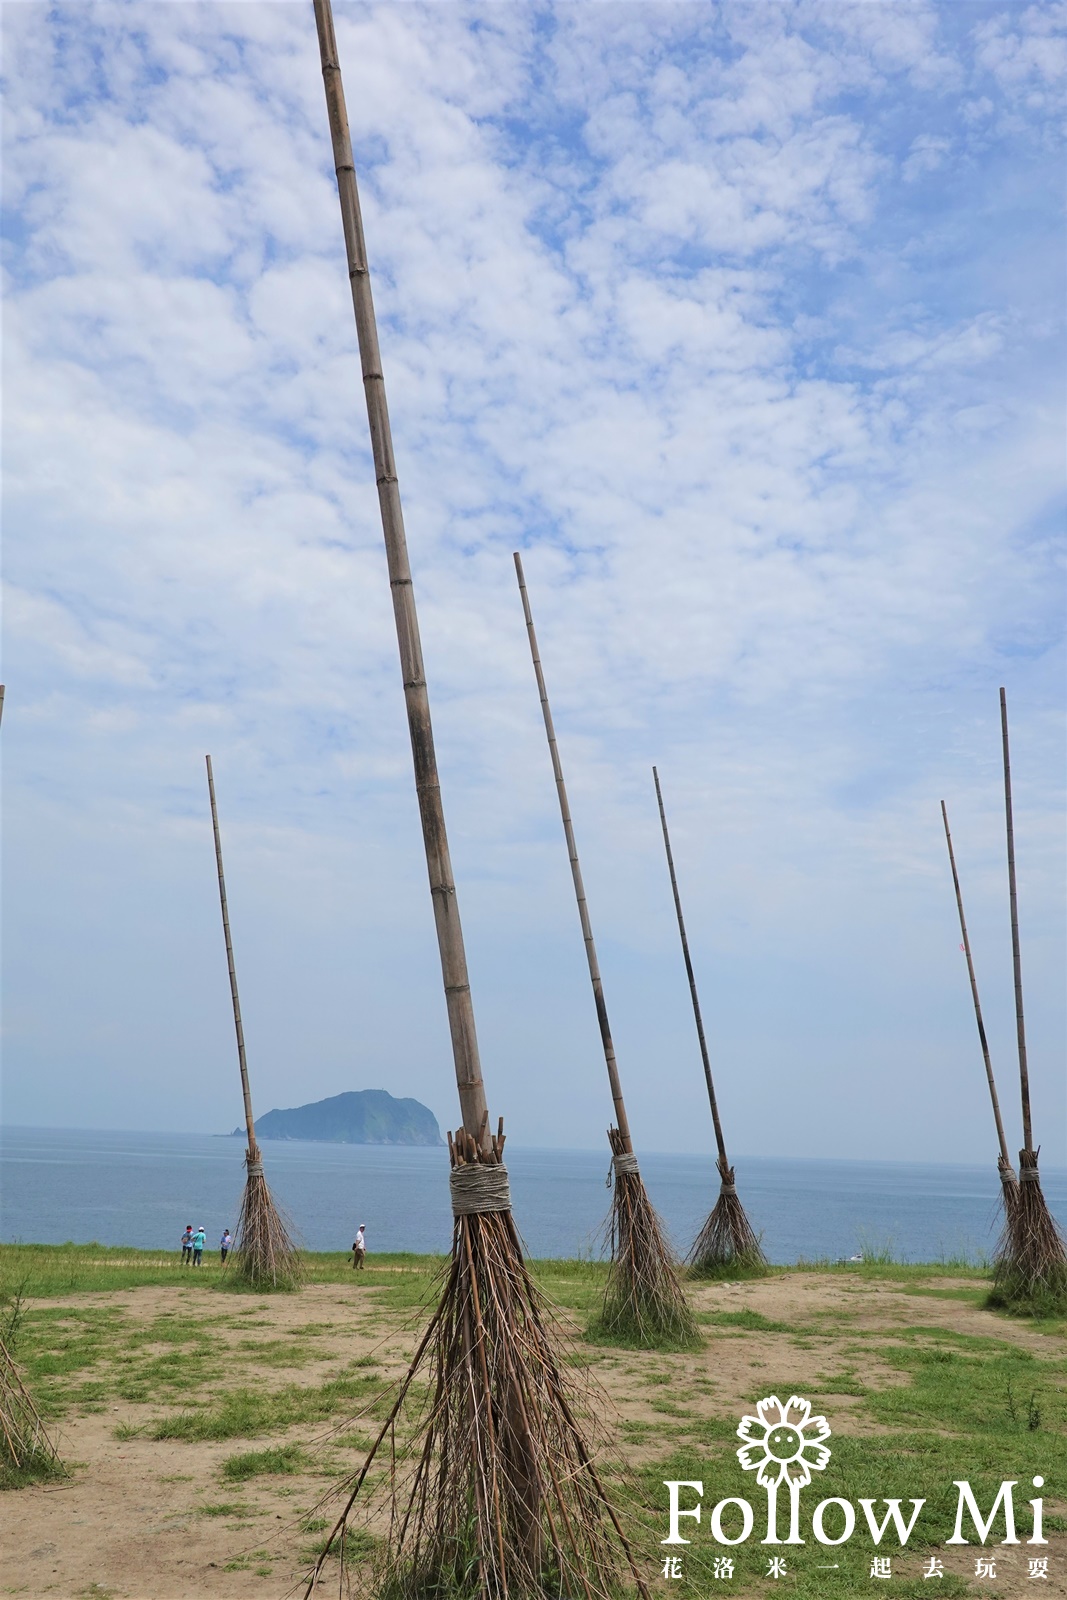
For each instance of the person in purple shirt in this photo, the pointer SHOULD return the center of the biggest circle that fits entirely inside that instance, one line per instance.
(224, 1245)
(187, 1244)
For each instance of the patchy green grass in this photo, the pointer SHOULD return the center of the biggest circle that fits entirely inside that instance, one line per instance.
(746, 1320)
(244, 1413)
(54, 1270)
(281, 1462)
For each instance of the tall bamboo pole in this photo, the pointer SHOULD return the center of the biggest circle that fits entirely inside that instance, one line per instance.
(576, 873)
(644, 1302)
(427, 784)
(719, 1140)
(1016, 960)
(242, 1061)
(727, 1244)
(505, 1499)
(1005, 1159)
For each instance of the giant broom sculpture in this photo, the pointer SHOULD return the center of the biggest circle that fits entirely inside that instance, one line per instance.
(1031, 1273)
(263, 1255)
(726, 1245)
(493, 1494)
(1009, 1183)
(644, 1303)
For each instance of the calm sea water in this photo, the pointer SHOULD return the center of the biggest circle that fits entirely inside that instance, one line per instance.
(141, 1189)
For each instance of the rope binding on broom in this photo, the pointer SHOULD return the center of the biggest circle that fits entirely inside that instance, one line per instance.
(478, 1187)
(624, 1162)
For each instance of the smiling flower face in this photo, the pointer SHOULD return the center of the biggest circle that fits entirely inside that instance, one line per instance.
(783, 1442)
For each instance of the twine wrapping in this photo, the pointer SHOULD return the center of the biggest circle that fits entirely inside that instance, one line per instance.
(728, 1188)
(1029, 1175)
(624, 1163)
(255, 1169)
(479, 1186)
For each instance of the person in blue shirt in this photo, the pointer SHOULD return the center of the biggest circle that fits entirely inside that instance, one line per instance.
(225, 1244)
(187, 1244)
(199, 1241)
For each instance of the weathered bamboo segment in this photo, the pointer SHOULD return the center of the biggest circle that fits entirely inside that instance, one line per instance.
(263, 1254)
(500, 1499)
(727, 1244)
(1031, 1272)
(1008, 1180)
(416, 695)
(645, 1302)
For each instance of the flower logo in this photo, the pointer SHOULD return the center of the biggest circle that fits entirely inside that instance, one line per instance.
(783, 1442)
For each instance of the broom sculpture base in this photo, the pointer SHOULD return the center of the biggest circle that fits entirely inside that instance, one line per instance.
(490, 1490)
(644, 1303)
(1030, 1276)
(26, 1451)
(263, 1257)
(727, 1246)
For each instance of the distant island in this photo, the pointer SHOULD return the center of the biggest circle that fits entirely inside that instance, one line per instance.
(362, 1116)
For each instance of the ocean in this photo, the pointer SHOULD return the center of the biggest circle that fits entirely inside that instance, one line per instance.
(141, 1189)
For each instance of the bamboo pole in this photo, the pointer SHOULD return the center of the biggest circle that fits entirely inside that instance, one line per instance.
(1005, 1159)
(504, 1500)
(427, 784)
(644, 1302)
(719, 1140)
(253, 1148)
(727, 1244)
(576, 873)
(1016, 960)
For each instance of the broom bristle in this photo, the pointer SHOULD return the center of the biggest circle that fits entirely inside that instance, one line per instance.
(490, 1490)
(27, 1451)
(1030, 1277)
(644, 1303)
(1009, 1199)
(263, 1255)
(727, 1246)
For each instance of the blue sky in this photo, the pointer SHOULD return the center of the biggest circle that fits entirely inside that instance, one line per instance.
(743, 321)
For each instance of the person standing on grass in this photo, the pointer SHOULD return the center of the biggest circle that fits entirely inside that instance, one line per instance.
(199, 1241)
(187, 1244)
(359, 1248)
(224, 1245)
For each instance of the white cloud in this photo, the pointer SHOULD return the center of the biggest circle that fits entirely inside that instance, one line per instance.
(777, 431)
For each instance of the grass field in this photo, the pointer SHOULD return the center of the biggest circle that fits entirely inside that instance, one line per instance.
(202, 1426)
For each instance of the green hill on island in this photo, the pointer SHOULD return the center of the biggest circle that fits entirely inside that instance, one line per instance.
(362, 1116)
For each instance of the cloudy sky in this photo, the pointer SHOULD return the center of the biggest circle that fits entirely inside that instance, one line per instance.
(745, 323)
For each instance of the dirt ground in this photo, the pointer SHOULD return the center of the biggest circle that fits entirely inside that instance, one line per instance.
(130, 1521)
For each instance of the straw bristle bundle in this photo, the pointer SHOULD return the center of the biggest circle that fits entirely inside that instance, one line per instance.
(644, 1303)
(490, 1491)
(727, 1246)
(1030, 1278)
(263, 1256)
(27, 1451)
(1009, 1196)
